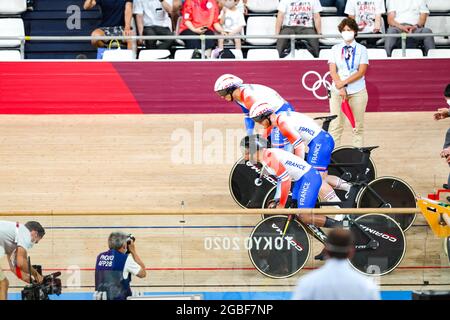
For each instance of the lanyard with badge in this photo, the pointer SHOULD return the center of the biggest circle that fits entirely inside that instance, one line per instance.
(348, 51)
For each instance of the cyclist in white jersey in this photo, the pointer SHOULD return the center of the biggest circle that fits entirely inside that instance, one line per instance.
(302, 131)
(232, 88)
(289, 169)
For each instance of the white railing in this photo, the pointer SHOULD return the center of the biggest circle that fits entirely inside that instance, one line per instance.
(203, 38)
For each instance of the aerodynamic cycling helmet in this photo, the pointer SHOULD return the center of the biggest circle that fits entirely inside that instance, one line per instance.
(253, 143)
(260, 111)
(226, 84)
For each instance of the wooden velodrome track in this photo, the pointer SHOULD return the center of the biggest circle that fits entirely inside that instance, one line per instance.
(125, 162)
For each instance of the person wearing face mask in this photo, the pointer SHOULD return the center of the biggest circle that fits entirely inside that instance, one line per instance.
(232, 21)
(367, 14)
(348, 65)
(200, 17)
(443, 113)
(15, 240)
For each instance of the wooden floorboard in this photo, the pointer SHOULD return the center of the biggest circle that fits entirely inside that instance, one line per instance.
(126, 163)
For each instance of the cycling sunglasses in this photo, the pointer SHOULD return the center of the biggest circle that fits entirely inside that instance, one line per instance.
(260, 118)
(223, 92)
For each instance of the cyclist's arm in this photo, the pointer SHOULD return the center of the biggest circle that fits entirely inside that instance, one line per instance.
(285, 187)
(292, 135)
(284, 181)
(266, 132)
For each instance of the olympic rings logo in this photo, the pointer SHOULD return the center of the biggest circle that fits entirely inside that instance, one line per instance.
(321, 81)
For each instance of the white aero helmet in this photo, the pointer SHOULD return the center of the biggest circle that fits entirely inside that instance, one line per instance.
(226, 84)
(260, 111)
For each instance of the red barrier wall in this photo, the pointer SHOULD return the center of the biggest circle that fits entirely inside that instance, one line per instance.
(187, 87)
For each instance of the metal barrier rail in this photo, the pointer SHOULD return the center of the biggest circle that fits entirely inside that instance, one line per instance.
(203, 38)
(216, 212)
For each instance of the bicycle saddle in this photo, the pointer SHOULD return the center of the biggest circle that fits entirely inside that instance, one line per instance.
(326, 118)
(367, 149)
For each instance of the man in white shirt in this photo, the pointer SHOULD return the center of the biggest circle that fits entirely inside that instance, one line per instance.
(298, 17)
(408, 17)
(15, 240)
(114, 267)
(337, 279)
(367, 14)
(152, 19)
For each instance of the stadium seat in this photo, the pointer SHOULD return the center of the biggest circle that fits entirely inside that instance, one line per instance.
(439, 24)
(183, 54)
(149, 55)
(262, 6)
(325, 54)
(118, 55)
(438, 5)
(329, 10)
(410, 53)
(237, 53)
(329, 27)
(301, 54)
(11, 27)
(263, 54)
(261, 26)
(10, 55)
(438, 53)
(12, 7)
(377, 54)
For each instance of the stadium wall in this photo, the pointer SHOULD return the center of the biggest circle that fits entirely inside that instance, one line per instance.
(161, 87)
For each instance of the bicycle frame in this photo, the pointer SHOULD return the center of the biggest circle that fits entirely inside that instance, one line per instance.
(321, 236)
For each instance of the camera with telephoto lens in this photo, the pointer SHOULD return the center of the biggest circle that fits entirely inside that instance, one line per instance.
(51, 284)
(130, 239)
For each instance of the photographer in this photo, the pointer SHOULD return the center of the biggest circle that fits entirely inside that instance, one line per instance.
(114, 267)
(15, 240)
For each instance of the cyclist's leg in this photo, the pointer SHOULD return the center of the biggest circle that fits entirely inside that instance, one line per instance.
(307, 190)
(320, 149)
(295, 192)
(337, 183)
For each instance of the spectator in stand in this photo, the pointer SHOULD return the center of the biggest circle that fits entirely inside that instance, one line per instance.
(443, 113)
(367, 14)
(176, 7)
(339, 4)
(337, 279)
(152, 18)
(116, 19)
(348, 65)
(298, 17)
(177, 4)
(232, 21)
(241, 5)
(409, 17)
(200, 17)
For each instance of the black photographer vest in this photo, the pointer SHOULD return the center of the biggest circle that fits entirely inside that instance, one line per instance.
(109, 275)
